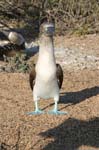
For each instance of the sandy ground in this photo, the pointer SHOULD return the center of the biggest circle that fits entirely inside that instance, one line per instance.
(79, 96)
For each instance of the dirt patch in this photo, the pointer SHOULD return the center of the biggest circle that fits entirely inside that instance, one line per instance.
(79, 96)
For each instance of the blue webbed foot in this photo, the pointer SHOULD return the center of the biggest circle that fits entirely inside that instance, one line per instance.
(57, 112)
(36, 112)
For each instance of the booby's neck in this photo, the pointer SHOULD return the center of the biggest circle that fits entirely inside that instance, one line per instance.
(46, 45)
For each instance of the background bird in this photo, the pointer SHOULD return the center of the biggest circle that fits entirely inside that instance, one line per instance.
(46, 76)
(15, 43)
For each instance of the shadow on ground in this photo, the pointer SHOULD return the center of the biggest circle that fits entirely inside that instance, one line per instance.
(79, 96)
(72, 134)
(76, 97)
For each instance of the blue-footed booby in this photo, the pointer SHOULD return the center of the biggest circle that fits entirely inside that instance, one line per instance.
(14, 44)
(46, 77)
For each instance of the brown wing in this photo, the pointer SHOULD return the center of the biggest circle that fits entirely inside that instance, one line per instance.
(59, 74)
(32, 76)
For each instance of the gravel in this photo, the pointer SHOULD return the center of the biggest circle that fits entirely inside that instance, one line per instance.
(75, 59)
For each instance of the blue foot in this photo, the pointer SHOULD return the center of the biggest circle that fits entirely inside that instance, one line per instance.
(56, 112)
(36, 112)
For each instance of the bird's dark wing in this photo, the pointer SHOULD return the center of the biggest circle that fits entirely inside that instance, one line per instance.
(59, 74)
(32, 76)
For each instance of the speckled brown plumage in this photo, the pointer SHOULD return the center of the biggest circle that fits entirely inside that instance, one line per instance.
(59, 74)
(11, 49)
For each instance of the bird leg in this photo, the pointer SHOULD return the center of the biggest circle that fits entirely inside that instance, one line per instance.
(55, 110)
(37, 110)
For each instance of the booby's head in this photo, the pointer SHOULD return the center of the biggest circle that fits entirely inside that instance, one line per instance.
(16, 38)
(47, 28)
